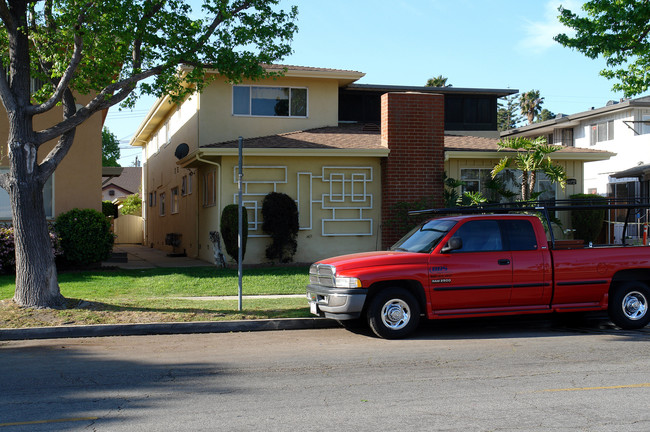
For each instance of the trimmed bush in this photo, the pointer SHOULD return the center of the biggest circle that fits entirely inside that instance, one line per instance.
(230, 230)
(280, 214)
(8, 248)
(587, 223)
(85, 236)
(109, 209)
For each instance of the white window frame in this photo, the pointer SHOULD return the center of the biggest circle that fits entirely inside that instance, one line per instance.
(250, 101)
(210, 188)
(161, 202)
(601, 132)
(541, 179)
(174, 200)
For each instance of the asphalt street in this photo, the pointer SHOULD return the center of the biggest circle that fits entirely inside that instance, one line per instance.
(478, 375)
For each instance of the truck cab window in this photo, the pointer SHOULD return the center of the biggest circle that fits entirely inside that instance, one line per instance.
(519, 235)
(480, 236)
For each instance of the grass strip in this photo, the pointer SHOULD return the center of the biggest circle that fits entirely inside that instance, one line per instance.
(142, 296)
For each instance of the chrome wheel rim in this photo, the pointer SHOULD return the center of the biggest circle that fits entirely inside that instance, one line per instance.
(395, 314)
(635, 305)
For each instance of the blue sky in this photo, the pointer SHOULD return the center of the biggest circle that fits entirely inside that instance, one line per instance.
(474, 43)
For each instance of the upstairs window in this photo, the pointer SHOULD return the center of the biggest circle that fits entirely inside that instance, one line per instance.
(602, 132)
(269, 101)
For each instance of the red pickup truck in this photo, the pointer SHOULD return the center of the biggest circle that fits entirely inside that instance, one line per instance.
(480, 265)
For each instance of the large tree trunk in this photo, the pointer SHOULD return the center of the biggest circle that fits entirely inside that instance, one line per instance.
(36, 277)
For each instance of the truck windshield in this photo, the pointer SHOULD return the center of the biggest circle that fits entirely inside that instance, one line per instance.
(424, 237)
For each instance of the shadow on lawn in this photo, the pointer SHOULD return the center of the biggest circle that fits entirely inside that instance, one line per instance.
(194, 272)
(270, 312)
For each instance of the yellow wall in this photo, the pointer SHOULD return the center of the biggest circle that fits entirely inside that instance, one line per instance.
(205, 119)
(266, 174)
(217, 124)
(77, 180)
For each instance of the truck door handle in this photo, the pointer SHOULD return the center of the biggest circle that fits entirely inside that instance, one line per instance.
(504, 262)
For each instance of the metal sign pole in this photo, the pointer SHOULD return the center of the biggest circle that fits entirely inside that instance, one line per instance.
(240, 227)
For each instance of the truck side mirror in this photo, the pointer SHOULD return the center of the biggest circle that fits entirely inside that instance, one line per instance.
(453, 244)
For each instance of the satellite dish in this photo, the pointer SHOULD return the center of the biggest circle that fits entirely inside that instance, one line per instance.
(181, 151)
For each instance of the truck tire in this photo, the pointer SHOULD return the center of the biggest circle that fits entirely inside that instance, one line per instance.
(393, 313)
(628, 305)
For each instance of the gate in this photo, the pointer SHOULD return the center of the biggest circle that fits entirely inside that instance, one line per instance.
(128, 229)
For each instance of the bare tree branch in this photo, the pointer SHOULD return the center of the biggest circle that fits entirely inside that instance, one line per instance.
(218, 20)
(56, 155)
(110, 96)
(69, 72)
(6, 17)
(137, 42)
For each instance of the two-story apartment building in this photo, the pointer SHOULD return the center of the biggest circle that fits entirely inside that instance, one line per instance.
(620, 127)
(346, 152)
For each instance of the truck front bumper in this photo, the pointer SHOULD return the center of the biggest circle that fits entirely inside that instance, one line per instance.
(336, 303)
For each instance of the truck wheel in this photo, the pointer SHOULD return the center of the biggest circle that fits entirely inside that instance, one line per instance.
(628, 305)
(393, 313)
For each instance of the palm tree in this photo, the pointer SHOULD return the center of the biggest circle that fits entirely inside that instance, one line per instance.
(438, 81)
(532, 156)
(531, 104)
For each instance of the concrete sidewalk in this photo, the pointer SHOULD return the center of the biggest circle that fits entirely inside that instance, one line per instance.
(143, 257)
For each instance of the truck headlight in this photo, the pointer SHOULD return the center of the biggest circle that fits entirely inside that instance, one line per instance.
(347, 282)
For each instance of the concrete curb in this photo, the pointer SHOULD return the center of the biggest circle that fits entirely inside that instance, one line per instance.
(166, 328)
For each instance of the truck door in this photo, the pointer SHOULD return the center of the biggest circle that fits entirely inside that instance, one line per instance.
(531, 273)
(476, 276)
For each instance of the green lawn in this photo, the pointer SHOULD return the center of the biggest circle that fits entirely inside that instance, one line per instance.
(117, 296)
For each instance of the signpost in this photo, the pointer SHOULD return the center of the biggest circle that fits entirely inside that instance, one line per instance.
(240, 242)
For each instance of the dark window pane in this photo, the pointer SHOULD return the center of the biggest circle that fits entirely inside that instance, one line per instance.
(480, 236)
(241, 100)
(299, 102)
(520, 235)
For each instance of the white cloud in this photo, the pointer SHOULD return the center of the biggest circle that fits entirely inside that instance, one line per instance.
(538, 34)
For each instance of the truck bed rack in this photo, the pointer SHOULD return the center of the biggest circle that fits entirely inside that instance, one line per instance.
(545, 208)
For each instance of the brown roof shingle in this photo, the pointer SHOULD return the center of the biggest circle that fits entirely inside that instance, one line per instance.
(360, 136)
(335, 137)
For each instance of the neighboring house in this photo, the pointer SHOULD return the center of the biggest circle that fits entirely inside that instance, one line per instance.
(347, 153)
(622, 128)
(123, 185)
(76, 183)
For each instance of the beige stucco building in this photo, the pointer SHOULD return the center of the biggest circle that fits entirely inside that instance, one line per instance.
(299, 140)
(76, 183)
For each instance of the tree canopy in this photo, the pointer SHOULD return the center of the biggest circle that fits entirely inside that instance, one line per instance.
(619, 31)
(531, 104)
(110, 149)
(507, 115)
(439, 81)
(112, 52)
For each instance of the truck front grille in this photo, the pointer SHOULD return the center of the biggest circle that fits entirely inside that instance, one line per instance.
(322, 274)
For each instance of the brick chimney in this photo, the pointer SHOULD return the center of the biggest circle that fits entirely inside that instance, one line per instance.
(412, 127)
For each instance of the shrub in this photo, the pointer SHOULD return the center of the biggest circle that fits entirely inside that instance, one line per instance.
(587, 223)
(109, 209)
(8, 248)
(132, 205)
(230, 230)
(85, 236)
(280, 215)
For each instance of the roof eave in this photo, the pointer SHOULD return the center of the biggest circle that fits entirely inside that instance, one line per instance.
(560, 156)
(198, 156)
